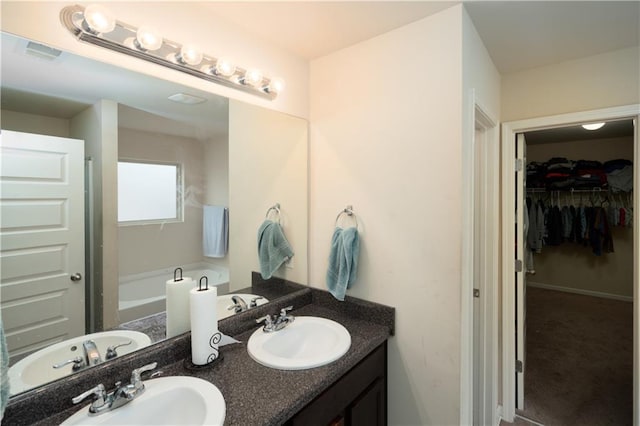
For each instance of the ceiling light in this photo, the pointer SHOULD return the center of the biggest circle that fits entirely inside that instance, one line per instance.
(96, 25)
(276, 85)
(225, 67)
(252, 77)
(592, 126)
(148, 38)
(99, 19)
(184, 98)
(190, 55)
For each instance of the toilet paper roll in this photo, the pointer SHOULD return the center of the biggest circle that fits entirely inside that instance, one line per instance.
(177, 300)
(205, 336)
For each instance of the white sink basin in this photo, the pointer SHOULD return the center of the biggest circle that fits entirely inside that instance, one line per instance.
(224, 302)
(37, 368)
(308, 342)
(175, 400)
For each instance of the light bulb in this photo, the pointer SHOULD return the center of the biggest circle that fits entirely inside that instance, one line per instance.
(225, 67)
(275, 86)
(253, 77)
(190, 55)
(148, 38)
(593, 126)
(99, 19)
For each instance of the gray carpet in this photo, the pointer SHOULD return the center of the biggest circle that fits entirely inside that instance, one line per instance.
(579, 359)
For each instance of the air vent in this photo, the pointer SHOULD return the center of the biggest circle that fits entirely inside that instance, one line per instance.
(184, 98)
(41, 51)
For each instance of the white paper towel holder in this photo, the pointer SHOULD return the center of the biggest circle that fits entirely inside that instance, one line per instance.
(216, 338)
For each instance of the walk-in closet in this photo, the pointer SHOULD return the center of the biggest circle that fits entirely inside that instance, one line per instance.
(579, 281)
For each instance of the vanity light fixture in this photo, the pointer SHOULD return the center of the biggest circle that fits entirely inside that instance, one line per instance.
(592, 126)
(95, 24)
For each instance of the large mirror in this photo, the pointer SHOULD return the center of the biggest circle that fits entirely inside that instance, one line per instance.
(214, 157)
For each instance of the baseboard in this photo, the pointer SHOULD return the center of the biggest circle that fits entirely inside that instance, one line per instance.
(581, 291)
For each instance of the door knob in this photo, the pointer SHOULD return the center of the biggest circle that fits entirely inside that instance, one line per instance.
(76, 277)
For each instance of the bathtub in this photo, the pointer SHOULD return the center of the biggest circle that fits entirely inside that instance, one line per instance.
(141, 295)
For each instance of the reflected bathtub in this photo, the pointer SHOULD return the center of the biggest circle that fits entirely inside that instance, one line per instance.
(141, 295)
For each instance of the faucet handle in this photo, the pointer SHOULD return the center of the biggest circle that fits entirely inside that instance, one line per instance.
(268, 322)
(136, 380)
(111, 350)
(283, 311)
(254, 301)
(99, 391)
(78, 363)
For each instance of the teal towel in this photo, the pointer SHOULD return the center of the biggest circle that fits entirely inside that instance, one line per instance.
(343, 261)
(273, 248)
(4, 371)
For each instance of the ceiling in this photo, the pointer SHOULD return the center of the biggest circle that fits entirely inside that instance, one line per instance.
(548, 31)
(311, 29)
(612, 129)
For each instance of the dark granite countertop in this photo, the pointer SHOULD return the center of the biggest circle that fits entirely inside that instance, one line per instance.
(254, 394)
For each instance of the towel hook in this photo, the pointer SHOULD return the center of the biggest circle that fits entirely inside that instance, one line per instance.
(349, 212)
(275, 207)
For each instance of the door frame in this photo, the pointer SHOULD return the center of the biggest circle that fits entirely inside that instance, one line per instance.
(479, 116)
(509, 131)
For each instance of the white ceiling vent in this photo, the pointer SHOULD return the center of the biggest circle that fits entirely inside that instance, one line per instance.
(41, 51)
(184, 98)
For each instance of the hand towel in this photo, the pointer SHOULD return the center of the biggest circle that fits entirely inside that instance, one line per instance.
(343, 261)
(273, 248)
(215, 228)
(4, 371)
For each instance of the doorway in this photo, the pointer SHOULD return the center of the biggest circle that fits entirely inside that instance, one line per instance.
(509, 287)
(579, 283)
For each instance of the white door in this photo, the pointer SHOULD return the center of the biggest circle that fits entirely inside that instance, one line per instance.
(520, 279)
(41, 240)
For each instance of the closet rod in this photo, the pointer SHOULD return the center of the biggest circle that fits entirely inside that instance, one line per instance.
(542, 190)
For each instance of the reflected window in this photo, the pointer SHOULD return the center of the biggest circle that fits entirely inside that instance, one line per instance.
(149, 192)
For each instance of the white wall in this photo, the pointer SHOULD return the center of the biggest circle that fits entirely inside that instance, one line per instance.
(267, 165)
(151, 247)
(98, 127)
(481, 89)
(386, 120)
(40, 21)
(33, 123)
(216, 191)
(600, 81)
(479, 72)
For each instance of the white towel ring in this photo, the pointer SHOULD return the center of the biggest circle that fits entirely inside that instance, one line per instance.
(349, 212)
(276, 208)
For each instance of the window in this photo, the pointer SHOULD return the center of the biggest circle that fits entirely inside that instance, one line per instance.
(149, 192)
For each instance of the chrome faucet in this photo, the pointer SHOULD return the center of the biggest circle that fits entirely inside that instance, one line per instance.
(276, 324)
(120, 396)
(239, 305)
(91, 357)
(91, 352)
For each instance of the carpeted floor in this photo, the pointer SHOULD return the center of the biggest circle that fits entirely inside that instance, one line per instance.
(579, 359)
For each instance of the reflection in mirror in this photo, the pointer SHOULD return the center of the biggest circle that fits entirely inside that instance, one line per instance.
(225, 153)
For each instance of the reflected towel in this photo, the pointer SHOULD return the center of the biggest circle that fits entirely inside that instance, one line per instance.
(343, 261)
(4, 371)
(215, 229)
(273, 248)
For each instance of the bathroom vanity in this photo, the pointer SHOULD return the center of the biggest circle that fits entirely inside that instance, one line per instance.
(349, 391)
